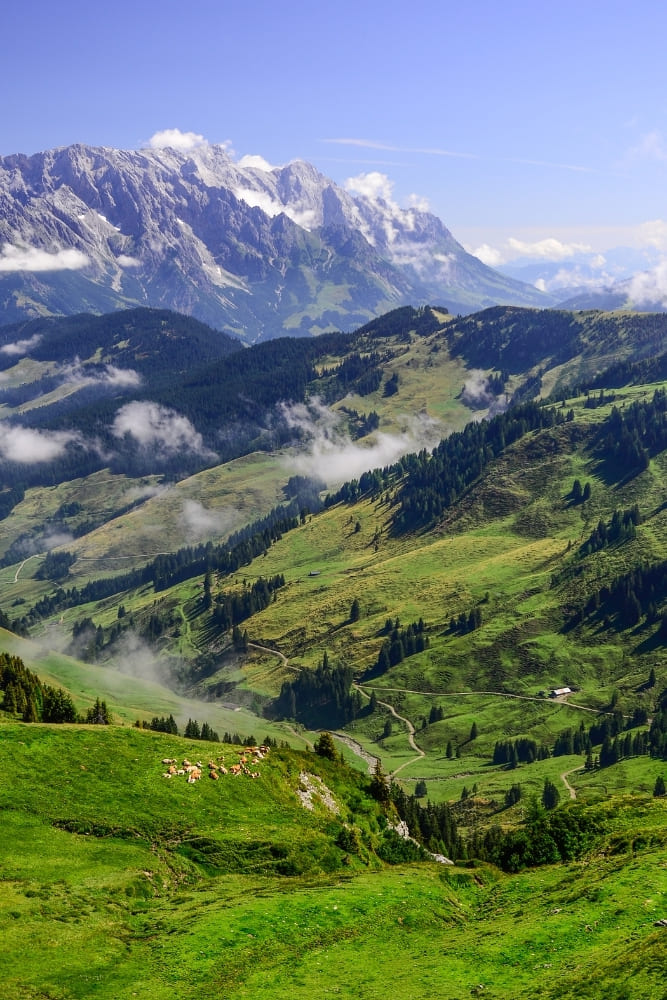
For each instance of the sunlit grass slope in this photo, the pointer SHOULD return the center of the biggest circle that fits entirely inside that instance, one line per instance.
(118, 883)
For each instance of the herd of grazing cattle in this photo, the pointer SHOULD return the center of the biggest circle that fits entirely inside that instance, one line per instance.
(216, 768)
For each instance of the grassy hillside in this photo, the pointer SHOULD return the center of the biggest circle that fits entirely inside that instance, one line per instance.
(541, 568)
(509, 549)
(127, 884)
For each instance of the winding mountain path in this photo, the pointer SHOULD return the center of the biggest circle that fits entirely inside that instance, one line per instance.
(371, 760)
(411, 732)
(495, 694)
(21, 565)
(268, 649)
(564, 776)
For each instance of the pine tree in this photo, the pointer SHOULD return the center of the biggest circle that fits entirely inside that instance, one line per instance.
(380, 787)
(659, 787)
(192, 730)
(208, 599)
(550, 794)
(30, 713)
(325, 746)
(99, 714)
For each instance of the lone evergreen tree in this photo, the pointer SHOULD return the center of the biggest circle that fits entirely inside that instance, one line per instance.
(355, 611)
(659, 787)
(325, 746)
(550, 794)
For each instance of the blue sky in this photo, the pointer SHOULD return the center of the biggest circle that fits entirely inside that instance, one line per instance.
(517, 122)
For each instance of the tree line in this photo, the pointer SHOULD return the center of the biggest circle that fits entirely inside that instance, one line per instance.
(233, 607)
(26, 695)
(399, 644)
(621, 528)
(165, 571)
(319, 697)
(630, 597)
(630, 437)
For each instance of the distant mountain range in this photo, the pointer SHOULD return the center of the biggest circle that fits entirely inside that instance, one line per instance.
(618, 278)
(252, 250)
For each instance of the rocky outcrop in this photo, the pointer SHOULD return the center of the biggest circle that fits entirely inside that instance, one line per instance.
(257, 251)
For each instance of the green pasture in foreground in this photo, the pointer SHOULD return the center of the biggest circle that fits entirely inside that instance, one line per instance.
(170, 891)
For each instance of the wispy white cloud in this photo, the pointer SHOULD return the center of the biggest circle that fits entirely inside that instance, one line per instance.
(301, 215)
(254, 162)
(33, 259)
(418, 202)
(650, 287)
(547, 249)
(111, 376)
(389, 148)
(373, 185)
(476, 390)
(160, 429)
(651, 146)
(576, 277)
(435, 151)
(145, 492)
(175, 139)
(28, 446)
(654, 234)
(201, 522)
(327, 452)
(378, 187)
(477, 394)
(552, 165)
(491, 256)
(124, 260)
(21, 347)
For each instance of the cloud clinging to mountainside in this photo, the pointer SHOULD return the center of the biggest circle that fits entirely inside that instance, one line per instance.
(160, 429)
(20, 347)
(35, 259)
(27, 446)
(327, 452)
(201, 522)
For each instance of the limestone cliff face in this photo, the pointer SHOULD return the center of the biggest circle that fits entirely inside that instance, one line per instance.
(257, 251)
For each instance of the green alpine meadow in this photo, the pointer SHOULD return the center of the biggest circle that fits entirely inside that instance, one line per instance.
(334, 665)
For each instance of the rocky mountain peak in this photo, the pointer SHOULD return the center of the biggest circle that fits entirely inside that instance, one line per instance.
(245, 246)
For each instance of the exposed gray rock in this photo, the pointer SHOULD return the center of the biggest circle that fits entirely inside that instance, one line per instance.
(258, 252)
